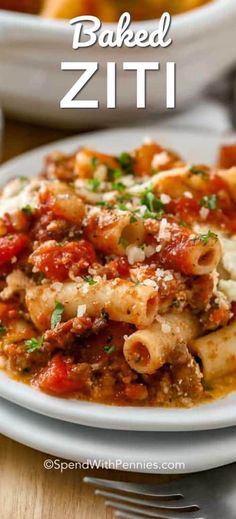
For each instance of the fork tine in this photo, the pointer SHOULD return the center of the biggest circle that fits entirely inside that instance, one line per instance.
(135, 488)
(152, 504)
(151, 513)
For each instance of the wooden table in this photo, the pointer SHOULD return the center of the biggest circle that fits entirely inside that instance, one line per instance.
(27, 490)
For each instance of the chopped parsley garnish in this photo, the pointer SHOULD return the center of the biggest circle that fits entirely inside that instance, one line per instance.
(113, 174)
(122, 207)
(153, 204)
(56, 314)
(205, 237)
(89, 280)
(94, 161)
(102, 203)
(125, 197)
(123, 242)
(197, 171)
(118, 186)
(105, 315)
(133, 219)
(33, 344)
(150, 214)
(94, 184)
(3, 328)
(27, 209)
(183, 223)
(210, 202)
(126, 162)
(22, 178)
(109, 349)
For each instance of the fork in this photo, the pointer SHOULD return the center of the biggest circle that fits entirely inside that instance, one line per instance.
(206, 495)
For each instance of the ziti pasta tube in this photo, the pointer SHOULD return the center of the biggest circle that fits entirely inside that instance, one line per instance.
(217, 352)
(122, 300)
(147, 350)
(111, 231)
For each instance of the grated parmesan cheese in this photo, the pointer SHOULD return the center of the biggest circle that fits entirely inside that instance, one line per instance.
(135, 254)
(165, 199)
(81, 310)
(57, 286)
(204, 212)
(165, 327)
(160, 159)
(164, 230)
(188, 194)
(150, 283)
(149, 250)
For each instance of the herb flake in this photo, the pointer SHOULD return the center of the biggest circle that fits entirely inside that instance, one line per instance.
(33, 344)
(205, 237)
(210, 202)
(109, 349)
(56, 314)
(27, 209)
(94, 184)
(126, 162)
(3, 328)
(89, 280)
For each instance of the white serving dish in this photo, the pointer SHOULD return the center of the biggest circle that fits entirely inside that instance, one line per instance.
(32, 48)
(221, 413)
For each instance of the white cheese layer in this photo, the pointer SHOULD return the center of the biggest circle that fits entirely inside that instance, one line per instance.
(228, 287)
(18, 194)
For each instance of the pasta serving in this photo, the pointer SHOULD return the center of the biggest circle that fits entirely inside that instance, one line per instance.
(118, 277)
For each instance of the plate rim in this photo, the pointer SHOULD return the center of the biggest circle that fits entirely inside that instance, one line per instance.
(201, 451)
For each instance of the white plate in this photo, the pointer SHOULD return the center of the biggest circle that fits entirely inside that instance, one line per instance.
(132, 451)
(221, 413)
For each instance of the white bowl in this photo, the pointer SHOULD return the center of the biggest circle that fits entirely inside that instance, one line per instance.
(32, 48)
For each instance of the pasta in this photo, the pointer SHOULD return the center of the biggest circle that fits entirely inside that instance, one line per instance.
(118, 277)
(112, 233)
(121, 299)
(148, 350)
(217, 352)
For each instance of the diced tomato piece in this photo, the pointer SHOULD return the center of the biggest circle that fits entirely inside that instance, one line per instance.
(136, 392)
(216, 184)
(144, 157)
(85, 167)
(55, 260)
(219, 315)
(8, 311)
(59, 378)
(11, 246)
(118, 267)
(227, 156)
(187, 209)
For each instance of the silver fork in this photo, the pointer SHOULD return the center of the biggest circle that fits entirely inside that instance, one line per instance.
(206, 495)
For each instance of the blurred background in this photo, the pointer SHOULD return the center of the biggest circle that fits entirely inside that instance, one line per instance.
(35, 37)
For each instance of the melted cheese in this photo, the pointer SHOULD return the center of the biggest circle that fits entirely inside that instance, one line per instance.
(228, 287)
(18, 194)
